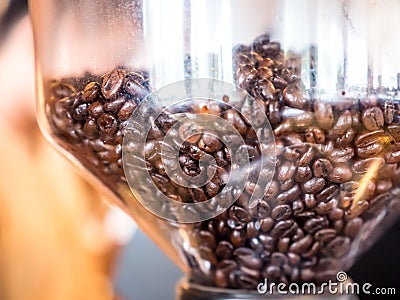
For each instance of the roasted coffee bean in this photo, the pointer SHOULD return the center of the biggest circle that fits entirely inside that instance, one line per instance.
(293, 97)
(266, 224)
(322, 167)
(286, 171)
(328, 193)
(283, 229)
(112, 83)
(222, 272)
(340, 173)
(324, 114)
(233, 117)
(341, 155)
(309, 200)
(301, 245)
(283, 244)
(281, 212)
(357, 209)
(252, 229)
(313, 186)
(372, 118)
(362, 166)
(343, 123)
(303, 174)
(261, 210)
(370, 144)
(352, 228)
(107, 123)
(289, 195)
(267, 241)
(224, 250)
(315, 223)
(238, 238)
(265, 90)
(325, 235)
(247, 257)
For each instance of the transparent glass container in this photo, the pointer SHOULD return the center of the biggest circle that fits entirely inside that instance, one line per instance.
(249, 140)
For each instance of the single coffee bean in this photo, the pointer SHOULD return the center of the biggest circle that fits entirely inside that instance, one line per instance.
(362, 166)
(343, 123)
(325, 235)
(283, 244)
(281, 212)
(284, 228)
(340, 173)
(352, 228)
(302, 245)
(112, 83)
(372, 118)
(309, 200)
(247, 257)
(289, 195)
(324, 114)
(322, 167)
(316, 223)
(313, 186)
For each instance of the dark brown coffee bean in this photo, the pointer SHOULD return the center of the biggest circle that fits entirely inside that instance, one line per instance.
(352, 228)
(383, 186)
(289, 195)
(316, 223)
(126, 110)
(284, 228)
(272, 272)
(224, 250)
(372, 118)
(222, 272)
(238, 238)
(303, 174)
(283, 244)
(293, 97)
(336, 214)
(198, 194)
(242, 280)
(325, 235)
(212, 188)
(211, 143)
(252, 229)
(371, 143)
(302, 245)
(267, 241)
(362, 166)
(112, 82)
(343, 123)
(90, 129)
(91, 92)
(265, 90)
(239, 217)
(392, 155)
(107, 123)
(264, 73)
(309, 200)
(324, 114)
(322, 167)
(247, 257)
(340, 173)
(114, 105)
(266, 224)
(379, 202)
(281, 212)
(286, 171)
(357, 209)
(261, 210)
(243, 59)
(341, 155)
(313, 186)
(328, 193)
(95, 109)
(233, 117)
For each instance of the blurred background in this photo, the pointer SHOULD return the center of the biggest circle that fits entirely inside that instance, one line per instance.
(58, 238)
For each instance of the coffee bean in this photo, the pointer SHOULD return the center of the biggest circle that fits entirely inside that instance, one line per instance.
(309, 200)
(340, 173)
(247, 257)
(107, 123)
(339, 246)
(324, 114)
(281, 212)
(301, 245)
(353, 227)
(313, 185)
(322, 167)
(316, 223)
(112, 83)
(224, 250)
(325, 235)
(238, 238)
(283, 229)
(372, 118)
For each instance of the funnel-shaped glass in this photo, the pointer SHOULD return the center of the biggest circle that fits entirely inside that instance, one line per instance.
(248, 139)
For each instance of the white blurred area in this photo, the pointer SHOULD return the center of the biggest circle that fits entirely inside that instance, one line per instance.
(58, 238)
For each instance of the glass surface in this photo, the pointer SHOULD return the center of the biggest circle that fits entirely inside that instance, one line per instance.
(310, 89)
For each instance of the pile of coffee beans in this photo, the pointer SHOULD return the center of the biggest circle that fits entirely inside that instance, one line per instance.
(337, 166)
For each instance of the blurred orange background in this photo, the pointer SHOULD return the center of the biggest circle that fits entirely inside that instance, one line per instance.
(54, 243)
